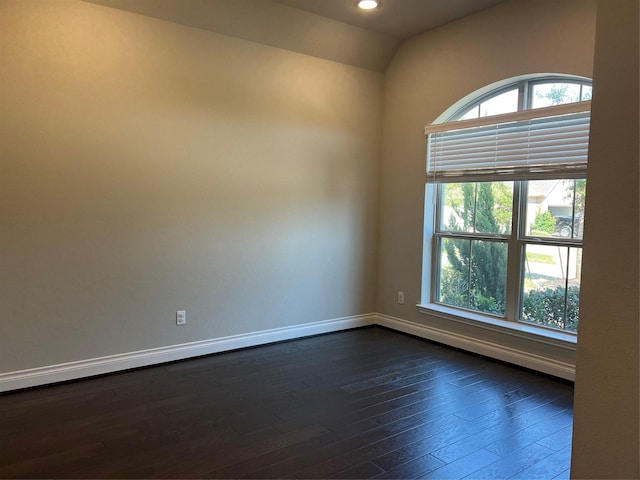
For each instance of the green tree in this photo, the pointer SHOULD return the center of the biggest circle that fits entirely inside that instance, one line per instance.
(576, 191)
(477, 273)
(558, 94)
(502, 209)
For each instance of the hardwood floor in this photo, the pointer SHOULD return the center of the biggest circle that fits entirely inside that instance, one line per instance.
(366, 403)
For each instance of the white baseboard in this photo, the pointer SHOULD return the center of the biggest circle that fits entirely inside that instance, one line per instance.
(481, 347)
(114, 363)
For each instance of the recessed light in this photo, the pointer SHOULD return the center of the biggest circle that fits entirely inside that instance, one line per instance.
(368, 4)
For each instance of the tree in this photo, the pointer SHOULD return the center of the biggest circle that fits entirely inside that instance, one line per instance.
(557, 94)
(576, 191)
(503, 206)
(477, 273)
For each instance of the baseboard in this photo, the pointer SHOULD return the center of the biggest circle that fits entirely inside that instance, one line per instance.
(114, 363)
(481, 347)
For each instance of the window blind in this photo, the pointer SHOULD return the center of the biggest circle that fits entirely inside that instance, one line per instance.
(532, 144)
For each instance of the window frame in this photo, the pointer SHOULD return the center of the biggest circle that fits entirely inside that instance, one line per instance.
(525, 94)
(516, 241)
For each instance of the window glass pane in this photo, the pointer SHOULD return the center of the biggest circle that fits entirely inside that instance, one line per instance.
(551, 286)
(580, 191)
(454, 274)
(473, 274)
(548, 94)
(458, 207)
(495, 207)
(587, 91)
(555, 208)
(482, 207)
(504, 103)
(471, 113)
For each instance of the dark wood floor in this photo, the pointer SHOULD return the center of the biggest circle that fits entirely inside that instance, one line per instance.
(366, 403)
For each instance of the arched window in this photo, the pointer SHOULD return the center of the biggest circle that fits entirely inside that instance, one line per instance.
(505, 204)
(525, 95)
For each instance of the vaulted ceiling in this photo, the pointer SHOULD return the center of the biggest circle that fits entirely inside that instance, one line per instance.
(399, 18)
(332, 29)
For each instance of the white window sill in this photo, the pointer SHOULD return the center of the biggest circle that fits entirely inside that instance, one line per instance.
(516, 329)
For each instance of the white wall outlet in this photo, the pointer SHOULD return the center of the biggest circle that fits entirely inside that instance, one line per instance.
(181, 317)
(401, 298)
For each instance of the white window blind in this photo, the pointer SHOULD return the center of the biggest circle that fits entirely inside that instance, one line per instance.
(531, 144)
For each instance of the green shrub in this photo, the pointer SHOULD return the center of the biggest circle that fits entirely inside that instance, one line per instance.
(544, 222)
(454, 290)
(546, 307)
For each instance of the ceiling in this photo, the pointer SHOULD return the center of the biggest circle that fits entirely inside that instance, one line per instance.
(399, 18)
(331, 29)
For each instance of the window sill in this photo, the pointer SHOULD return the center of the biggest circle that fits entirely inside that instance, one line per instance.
(529, 332)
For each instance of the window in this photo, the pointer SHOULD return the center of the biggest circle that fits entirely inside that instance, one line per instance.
(505, 204)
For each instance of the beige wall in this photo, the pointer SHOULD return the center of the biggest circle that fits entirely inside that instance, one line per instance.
(431, 72)
(147, 167)
(606, 426)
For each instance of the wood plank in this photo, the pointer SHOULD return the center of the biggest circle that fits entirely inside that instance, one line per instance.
(361, 403)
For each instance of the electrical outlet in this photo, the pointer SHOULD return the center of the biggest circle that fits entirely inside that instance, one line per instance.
(181, 317)
(401, 298)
